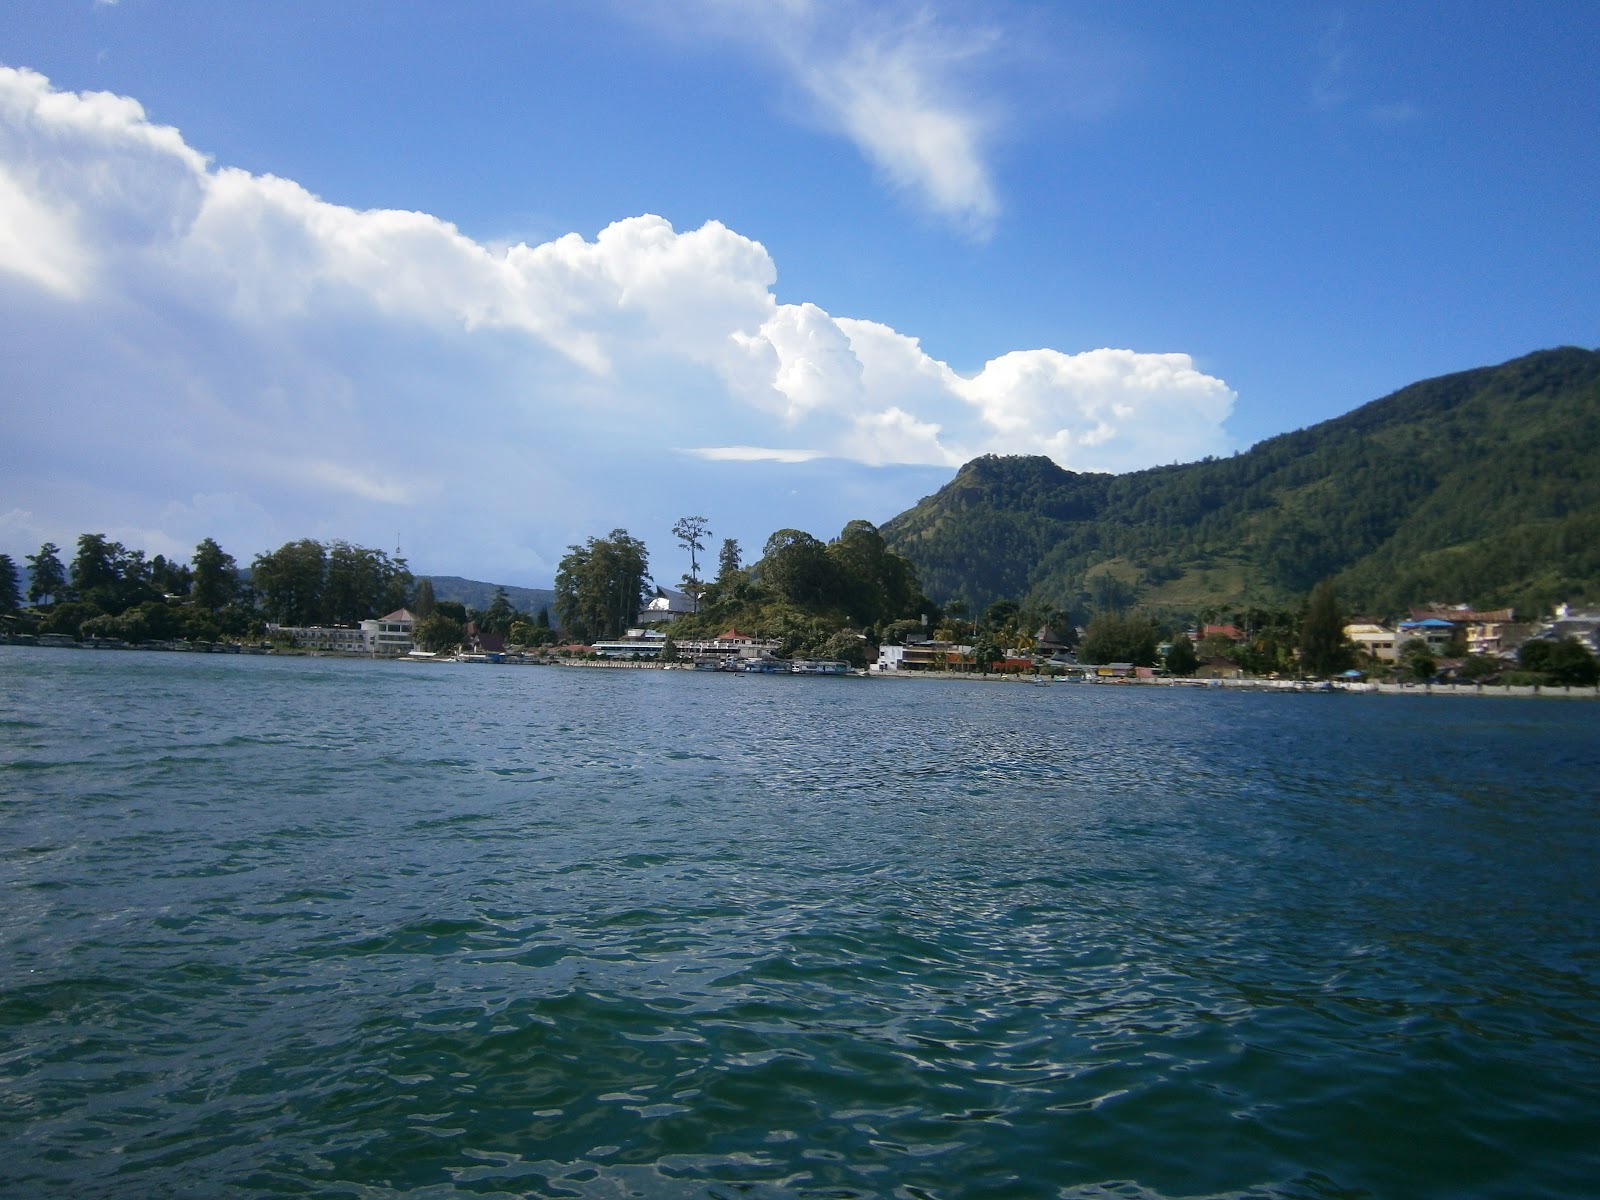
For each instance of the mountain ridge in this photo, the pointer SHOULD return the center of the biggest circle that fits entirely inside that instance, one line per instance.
(1481, 486)
(476, 594)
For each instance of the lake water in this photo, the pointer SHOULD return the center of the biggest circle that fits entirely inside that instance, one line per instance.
(288, 927)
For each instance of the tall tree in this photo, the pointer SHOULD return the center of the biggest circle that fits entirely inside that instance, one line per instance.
(398, 590)
(47, 577)
(170, 576)
(422, 605)
(497, 618)
(872, 583)
(109, 575)
(10, 581)
(439, 632)
(1181, 659)
(600, 585)
(357, 584)
(290, 580)
(691, 532)
(215, 582)
(796, 568)
(1323, 649)
(1112, 638)
(727, 561)
(95, 568)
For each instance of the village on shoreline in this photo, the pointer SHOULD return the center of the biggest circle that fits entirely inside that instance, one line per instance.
(316, 600)
(1046, 674)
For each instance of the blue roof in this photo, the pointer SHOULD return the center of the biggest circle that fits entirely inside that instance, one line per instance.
(1429, 623)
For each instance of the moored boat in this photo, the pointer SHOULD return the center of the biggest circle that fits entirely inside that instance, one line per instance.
(818, 666)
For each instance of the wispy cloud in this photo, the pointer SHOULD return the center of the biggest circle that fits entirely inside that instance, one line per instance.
(754, 454)
(1328, 84)
(903, 82)
(894, 91)
(188, 344)
(1337, 87)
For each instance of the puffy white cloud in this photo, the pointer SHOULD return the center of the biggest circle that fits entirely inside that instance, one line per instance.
(1109, 409)
(37, 243)
(190, 344)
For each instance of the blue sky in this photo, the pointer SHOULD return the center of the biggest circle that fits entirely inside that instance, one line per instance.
(483, 279)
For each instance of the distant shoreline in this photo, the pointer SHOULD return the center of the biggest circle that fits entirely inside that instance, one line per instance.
(1290, 686)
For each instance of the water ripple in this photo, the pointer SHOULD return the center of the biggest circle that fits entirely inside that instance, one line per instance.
(303, 928)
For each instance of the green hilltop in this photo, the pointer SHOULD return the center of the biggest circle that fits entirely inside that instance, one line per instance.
(1481, 487)
(475, 594)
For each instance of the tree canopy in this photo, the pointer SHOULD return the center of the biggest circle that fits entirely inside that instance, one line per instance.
(1111, 638)
(1323, 648)
(47, 577)
(600, 586)
(10, 584)
(308, 583)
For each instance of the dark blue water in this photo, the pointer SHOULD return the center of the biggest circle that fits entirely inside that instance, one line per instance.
(307, 927)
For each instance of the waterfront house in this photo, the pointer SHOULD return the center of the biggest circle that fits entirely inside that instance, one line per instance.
(924, 656)
(1435, 632)
(1374, 640)
(391, 635)
(1490, 632)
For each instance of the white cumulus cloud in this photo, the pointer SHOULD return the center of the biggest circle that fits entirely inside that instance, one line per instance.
(189, 346)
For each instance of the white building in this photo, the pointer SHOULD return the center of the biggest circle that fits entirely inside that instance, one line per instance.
(391, 635)
(348, 639)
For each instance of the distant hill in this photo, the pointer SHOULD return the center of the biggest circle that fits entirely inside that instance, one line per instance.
(475, 594)
(1481, 487)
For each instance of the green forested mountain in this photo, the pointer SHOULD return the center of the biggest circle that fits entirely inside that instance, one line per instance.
(478, 595)
(1481, 487)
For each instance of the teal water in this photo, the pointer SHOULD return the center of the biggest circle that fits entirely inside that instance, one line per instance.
(309, 927)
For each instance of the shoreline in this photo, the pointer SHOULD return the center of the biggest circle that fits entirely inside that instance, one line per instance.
(1290, 686)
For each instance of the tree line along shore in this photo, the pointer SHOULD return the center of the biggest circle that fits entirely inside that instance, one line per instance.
(839, 600)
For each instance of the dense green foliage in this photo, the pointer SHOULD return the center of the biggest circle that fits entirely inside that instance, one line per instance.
(1181, 658)
(600, 586)
(115, 593)
(1481, 487)
(47, 577)
(1115, 639)
(308, 583)
(439, 632)
(817, 599)
(10, 585)
(1323, 649)
(1566, 662)
(475, 594)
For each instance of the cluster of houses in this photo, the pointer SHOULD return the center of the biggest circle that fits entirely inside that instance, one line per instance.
(1487, 633)
(1494, 634)
(650, 642)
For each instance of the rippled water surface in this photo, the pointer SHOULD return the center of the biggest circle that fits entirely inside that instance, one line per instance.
(310, 927)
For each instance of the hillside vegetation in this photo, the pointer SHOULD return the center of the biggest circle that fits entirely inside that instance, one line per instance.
(474, 594)
(1481, 487)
